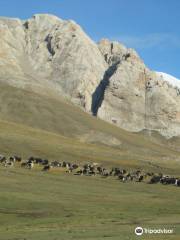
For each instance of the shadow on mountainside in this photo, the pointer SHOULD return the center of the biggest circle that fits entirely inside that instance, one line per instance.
(98, 95)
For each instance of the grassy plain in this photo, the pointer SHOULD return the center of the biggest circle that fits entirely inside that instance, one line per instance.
(57, 206)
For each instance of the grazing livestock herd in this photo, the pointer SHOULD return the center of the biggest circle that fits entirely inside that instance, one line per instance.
(91, 170)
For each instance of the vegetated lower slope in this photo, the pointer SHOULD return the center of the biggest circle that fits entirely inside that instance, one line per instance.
(45, 205)
(33, 124)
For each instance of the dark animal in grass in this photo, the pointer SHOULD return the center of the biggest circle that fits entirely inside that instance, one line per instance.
(92, 173)
(46, 168)
(115, 172)
(2, 159)
(140, 179)
(168, 180)
(38, 161)
(155, 179)
(12, 159)
(84, 172)
(138, 172)
(75, 166)
(123, 171)
(64, 164)
(18, 159)
(120, 177)
(30, 165)
(45, 162)
(31, 159)
(129, 177)
(99, 170)
(15, 159)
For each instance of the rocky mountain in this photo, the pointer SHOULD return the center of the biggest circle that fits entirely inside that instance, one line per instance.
(136, 98)
(50, 56)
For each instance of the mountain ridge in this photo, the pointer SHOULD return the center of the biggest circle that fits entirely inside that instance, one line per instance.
(55, 57)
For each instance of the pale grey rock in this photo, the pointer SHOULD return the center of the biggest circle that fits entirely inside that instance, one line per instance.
(51, 56)
(135, 98)
(163, 107)
(48, 54)
(123, 100)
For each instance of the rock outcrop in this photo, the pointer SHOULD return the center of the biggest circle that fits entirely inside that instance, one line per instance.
(136, 98)
(124, 94)
(48, 55)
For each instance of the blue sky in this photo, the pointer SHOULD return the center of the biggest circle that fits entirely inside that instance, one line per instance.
(149, 26)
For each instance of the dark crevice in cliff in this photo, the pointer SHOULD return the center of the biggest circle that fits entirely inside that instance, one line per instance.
(98, 95)
(48, 39)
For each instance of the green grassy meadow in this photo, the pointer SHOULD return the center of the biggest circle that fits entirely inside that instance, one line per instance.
(55, 205)
(60, 206)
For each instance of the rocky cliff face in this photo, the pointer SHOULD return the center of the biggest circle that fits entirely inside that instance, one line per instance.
(124, 94)
(48, 55)
(136, 98)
